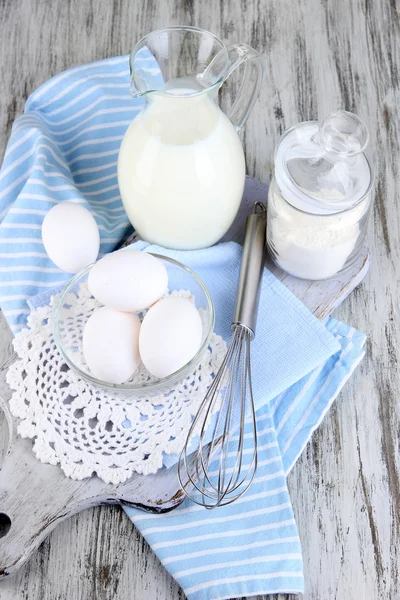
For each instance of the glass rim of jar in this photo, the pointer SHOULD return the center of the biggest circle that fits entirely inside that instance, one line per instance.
(326, 214)
(147, 388)
(198, 30)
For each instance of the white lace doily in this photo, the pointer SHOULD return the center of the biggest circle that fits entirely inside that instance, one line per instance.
(86, 430)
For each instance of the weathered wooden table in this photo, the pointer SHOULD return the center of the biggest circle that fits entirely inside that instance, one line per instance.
(321, 54)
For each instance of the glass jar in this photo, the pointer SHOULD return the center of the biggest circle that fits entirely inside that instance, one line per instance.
(320, 197)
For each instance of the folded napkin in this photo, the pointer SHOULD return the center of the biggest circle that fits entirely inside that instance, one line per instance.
(289, 343)
(252, 546)
(65, 147)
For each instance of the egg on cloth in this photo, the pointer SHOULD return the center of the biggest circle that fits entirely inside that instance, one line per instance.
(70, 236)
(170, 335)
(111, 344)
(128, 280)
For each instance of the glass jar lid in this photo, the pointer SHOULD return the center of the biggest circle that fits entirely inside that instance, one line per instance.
(321, 167)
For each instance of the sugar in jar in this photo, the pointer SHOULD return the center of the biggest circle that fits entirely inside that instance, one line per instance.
(320, 197)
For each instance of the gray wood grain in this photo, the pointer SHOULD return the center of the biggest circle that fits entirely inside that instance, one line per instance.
(321, 54)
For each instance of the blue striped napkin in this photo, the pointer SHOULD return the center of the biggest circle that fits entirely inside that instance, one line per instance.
(252, 546)
(65, 147)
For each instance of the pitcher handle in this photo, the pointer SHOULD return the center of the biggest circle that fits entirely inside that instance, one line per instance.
(250, 87)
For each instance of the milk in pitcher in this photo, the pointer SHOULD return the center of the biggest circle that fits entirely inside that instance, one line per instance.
(181, 171)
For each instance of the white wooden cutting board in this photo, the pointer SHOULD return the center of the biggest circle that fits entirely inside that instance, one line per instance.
(34, 497)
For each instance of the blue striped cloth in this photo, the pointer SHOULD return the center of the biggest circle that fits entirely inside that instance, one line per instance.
(252, 547)
(65, 147)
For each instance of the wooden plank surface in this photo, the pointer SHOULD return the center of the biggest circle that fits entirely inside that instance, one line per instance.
(321, 54)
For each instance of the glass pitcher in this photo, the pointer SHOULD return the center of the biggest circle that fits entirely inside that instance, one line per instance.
(181, 166)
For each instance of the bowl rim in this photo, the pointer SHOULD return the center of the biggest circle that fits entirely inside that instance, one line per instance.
(153, 386)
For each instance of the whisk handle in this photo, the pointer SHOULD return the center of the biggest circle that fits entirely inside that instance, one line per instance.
(251, 269)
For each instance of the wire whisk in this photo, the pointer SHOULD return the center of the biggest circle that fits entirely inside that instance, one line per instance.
(219, 460)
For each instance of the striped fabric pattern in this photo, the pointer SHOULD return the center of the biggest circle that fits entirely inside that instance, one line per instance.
(252, 547)
(64, 147)
(249, 547)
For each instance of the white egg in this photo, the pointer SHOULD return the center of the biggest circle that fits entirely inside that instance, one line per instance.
(70, 236)
(129, 280)
(111, 344)
(170, 335)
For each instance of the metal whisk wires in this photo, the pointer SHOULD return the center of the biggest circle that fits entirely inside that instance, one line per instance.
(230, 394)
(219, 460)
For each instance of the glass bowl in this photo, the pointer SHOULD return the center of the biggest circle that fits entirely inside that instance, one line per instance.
(69, 344)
